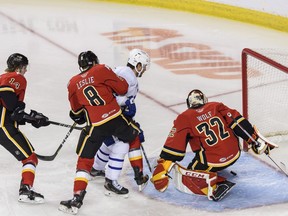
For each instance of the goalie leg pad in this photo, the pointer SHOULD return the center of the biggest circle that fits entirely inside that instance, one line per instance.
(199, 183)
(222, 189)
(195, 181)
(196, 185)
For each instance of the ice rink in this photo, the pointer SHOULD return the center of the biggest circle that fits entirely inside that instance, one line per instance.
(187, 51)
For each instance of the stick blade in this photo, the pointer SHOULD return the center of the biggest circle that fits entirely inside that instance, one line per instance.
(46, 158)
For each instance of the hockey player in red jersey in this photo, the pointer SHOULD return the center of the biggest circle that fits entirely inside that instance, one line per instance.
(212, 130)
(92, 99)
(12, 93)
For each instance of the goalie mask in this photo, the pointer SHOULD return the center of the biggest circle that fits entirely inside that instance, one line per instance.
(137, 56)
(15, 61)
(86, 60)
(195, 99)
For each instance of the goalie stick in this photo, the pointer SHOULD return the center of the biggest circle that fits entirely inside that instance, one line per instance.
(52, 157)
(282, 166)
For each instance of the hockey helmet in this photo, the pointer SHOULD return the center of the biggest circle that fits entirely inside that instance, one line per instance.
(137, 56)
(16, 60)
(87, 60)
(196, 98)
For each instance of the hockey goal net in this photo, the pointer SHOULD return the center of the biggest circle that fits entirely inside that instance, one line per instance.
(265, 90)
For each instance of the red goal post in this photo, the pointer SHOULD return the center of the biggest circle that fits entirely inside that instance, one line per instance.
(265, 90)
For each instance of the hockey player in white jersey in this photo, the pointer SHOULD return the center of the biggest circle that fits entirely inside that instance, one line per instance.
(113, 151)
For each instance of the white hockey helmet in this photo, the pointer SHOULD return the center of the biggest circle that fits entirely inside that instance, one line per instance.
(196, 98)
(137, 56)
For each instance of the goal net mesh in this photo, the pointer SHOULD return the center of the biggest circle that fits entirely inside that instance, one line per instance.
(265, 90)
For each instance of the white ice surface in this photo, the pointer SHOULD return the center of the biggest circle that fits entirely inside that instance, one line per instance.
(58, 32)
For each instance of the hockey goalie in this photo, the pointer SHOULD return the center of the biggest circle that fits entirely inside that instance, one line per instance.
(212, 129)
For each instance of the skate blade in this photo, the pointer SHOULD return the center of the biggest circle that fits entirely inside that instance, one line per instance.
(25, 199)
(142, 187)
(65, 209)
(96, 178)
(112, 194)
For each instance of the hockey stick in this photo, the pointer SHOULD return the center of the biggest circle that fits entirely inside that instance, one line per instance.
(282, 166)
(28, 117)
(145, 156)
(283, 170)
(65, 125)
(52, 157)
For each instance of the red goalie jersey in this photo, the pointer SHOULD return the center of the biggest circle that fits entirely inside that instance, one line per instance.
(94, 91)
(210, 133)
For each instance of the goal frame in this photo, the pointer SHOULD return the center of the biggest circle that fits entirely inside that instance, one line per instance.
(245, 91)
(255, 54)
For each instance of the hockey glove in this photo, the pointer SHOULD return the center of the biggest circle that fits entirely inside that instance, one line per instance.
(263, 144)
(258, 145)
(160, 177)
(78, 117)
(141, 133)
(130, 108)
(37, 119)
(18, 113)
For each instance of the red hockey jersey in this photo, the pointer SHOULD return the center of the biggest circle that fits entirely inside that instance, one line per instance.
(208, 131)
(15, 82)
(94, 91)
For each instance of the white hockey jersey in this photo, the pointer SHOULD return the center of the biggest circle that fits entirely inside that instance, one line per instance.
(130, 77)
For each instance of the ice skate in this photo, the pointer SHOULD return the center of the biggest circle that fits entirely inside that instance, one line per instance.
(28, 195)
(95, 174)
(140, 179)
(72, 206)
(113, 188)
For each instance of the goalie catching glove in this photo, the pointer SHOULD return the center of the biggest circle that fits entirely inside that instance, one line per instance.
(259, 143)
(160, 177)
